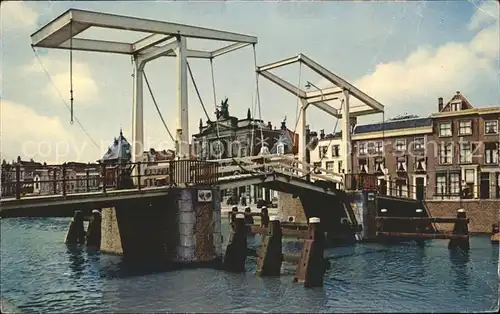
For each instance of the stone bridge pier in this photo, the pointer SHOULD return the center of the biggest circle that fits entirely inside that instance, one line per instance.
(181, 227)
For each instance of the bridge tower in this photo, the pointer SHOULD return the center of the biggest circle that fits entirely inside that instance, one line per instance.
(164, 40)
(322, 98)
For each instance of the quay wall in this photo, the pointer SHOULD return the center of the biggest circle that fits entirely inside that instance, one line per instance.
(482, 213)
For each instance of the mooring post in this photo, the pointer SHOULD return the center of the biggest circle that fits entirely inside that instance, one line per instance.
(270, 254)
(420, 226)
(236, 251)
(311, 267)
(380, 222)
(460, 228)
(264, 217)
(76, 231)
(94, 230)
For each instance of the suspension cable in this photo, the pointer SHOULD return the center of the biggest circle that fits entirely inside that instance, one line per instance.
(71, 68)
(215, 95)
(61, 97)
(197, 91)
(156, 105)
(258, 94)
(298, 112)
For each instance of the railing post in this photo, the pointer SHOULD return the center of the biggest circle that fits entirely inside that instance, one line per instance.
(54, 180)
(64, 179)
(103, 177)
(87, 179)
(18, 181)
(138, 175)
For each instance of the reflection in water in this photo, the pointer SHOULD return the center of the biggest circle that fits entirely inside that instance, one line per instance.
(459, 260)
(77, 260)
(41, 274)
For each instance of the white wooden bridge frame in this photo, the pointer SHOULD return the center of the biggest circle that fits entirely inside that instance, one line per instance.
(164, 40)
(287, 165)
(342, 91)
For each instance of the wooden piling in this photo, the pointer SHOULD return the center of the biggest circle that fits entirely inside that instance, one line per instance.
(236, 251)
(460, 228)
(264, 217)
(311, 267)
(94, 230)
(76, 231)
(270, 254)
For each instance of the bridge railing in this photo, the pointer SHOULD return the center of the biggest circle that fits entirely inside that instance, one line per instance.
(35, 180)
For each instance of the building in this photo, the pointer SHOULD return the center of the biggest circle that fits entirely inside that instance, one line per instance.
(230, 137)
(465, 150)
(452, 154)
(326, 154)
(156, 170)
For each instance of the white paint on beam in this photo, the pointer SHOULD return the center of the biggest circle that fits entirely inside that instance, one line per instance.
(182, 136)
(227, 49)
(277, 64)
(324, 92)
(97, 46)
(327, 108)
(283, 84)
(150, 41)
(156, 52)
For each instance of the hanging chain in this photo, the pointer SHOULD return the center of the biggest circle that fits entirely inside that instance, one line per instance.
(71, 69)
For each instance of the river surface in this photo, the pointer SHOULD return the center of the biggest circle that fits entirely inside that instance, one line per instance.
(40, 274)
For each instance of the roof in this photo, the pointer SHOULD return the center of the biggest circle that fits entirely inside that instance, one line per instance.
(119, 150)
(284, 138)
(393, 125)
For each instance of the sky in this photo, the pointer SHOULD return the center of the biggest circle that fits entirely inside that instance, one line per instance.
(403, 54)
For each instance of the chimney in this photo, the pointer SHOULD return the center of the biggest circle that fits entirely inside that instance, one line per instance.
(269, 125)
(283, 125)
(321, 134)
(458, 92)
(440, 104)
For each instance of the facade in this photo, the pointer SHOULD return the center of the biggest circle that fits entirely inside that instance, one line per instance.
(326, 154)
(465, 151)
(157, 169)
(452, 154)
(231, 137)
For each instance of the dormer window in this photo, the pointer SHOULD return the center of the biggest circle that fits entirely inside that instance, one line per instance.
(401, 164)
(379, 165)
(363, 166)
(491, 127)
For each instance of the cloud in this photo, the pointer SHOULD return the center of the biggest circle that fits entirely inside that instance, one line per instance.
(85, 88)
(17, 15)
(428, 73)
(486, 13)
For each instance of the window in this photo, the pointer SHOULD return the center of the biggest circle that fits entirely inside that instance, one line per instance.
(363, 166)
(401, 188)
(441, 183)
(379, 147)
(400, 145)
(419, 143)
(465, 153)
(465, 127)
(340, 166)
(244, 150)
(491, 153)
(401, 164)
(454, 183)
(330, 165)
(280, 148)
(420, 163)
(335, 151)
(379, 165)
(445, 153)
(491, 127)
(445, 129)
(469, 175)
(317, 165)
(362, 148)
(322, 151)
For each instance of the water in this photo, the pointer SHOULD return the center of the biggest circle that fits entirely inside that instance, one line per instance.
(40, 274)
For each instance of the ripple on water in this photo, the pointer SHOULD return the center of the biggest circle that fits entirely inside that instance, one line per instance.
(40, 274)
